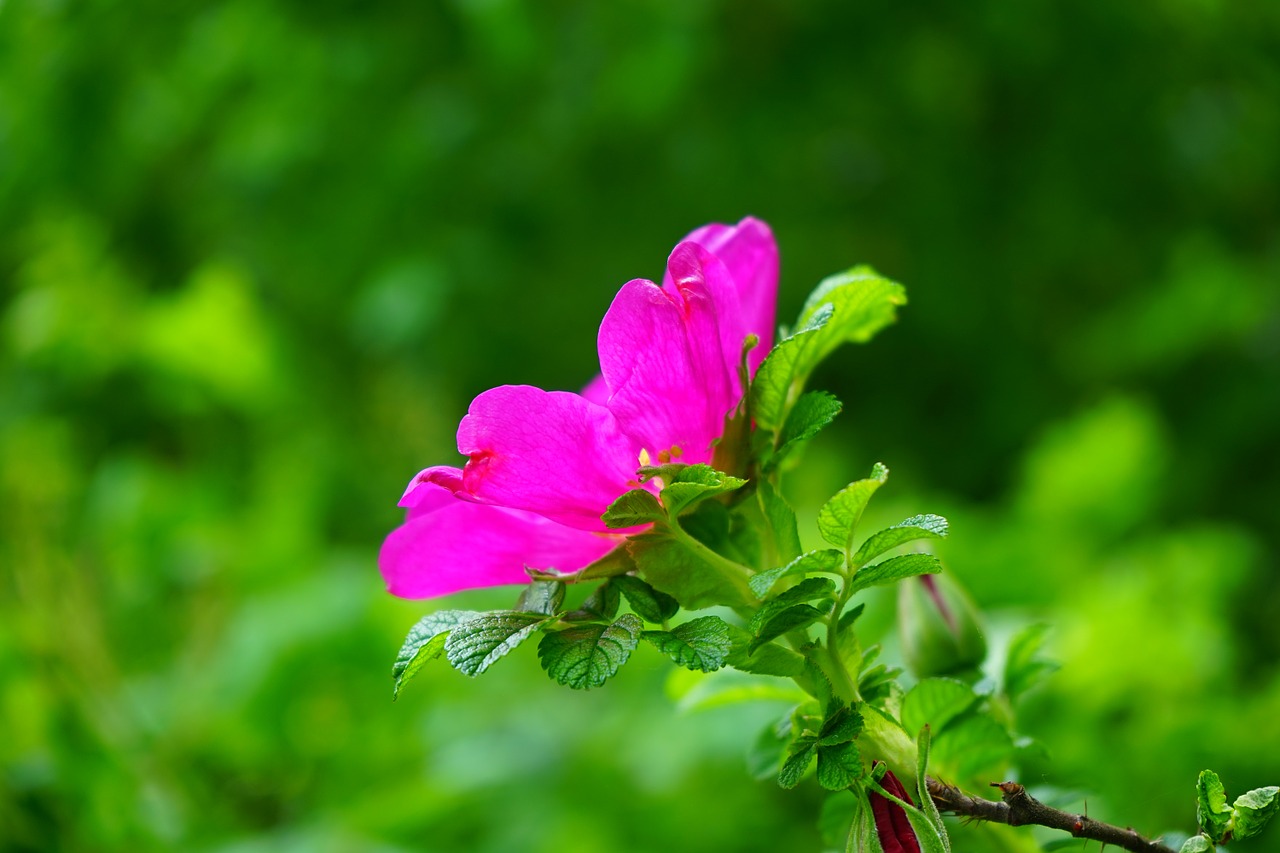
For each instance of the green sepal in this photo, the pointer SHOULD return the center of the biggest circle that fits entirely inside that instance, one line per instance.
(927, 805)
(895, 569)
(797, 764)
(542, 597)
(1024, 668)
(693, 483)
(586, 656)
(862, 837)
(783, 372)
(812, 411)
(781, 518)
(616, 562)
(910, 530)
(700, 644)
(424, 643)
(1252, 811)
(475, 645)
(839, 766)
(928, 835)
(649, 604)
(1212, 813)
(1197, 844)
(825, 560)
(632, 509)
(838, 518)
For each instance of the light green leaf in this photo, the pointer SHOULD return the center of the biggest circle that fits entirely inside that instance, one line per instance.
(425, 642)
(783, 373)
(649, 604)
(586, 656)
(842, 725)
(895, 569)
(764, 756)
(541, 597)
(476, 644)
(1252, 811)
(839, 766)
(935, 702)
(915, 528)
(826, 560)
(694, 483)
(700, 644)
(863, 303)
(686, 572)
(1211, 805)
(797, 763)
(616, 562)
(812, 411)
(1197, 844)
(838, 518)
(1023, 667)
(782, 520)
(632, 509)
(973, 748)
(769, 659)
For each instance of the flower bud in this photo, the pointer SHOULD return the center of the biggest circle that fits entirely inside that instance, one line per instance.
(939, 627)
(892, 826)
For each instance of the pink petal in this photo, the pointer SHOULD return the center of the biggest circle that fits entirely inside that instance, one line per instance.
(597, 390)
(459, 545)
(549, 452)
(661, 354)
(750, 254)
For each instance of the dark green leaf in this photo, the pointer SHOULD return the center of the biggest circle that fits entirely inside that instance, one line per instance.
(586, 656)
(797, 763)
(541, 597)
(850, 616)
(863, 303)
(700, 644)
(875, 683)
(1212, 812)
(825, 560)
(1252, 811)
(769, 659)
(632, 509)
(838, 518)
(601, 604)
(782, 520)
(476, 644)
(809, 589)
(688, 573)
(843, 724)
(793, 618)
(1023, 667)
(913, 529)
(839, 766)
(694, 483)
(649, 604)
(425, 642)
(894, 569)
(783, 373)
(935, 702)
(812, 411)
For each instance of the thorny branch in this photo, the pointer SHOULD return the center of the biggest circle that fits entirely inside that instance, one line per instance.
(1018, 808)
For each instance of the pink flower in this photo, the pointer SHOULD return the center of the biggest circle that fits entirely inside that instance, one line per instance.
(544, 465)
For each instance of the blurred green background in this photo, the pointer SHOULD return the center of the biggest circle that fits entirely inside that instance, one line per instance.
(257, 257)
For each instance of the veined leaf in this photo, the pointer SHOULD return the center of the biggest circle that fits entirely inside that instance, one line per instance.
(862, 302)
(838, 518)
(793, 618)
(839, 766)
(616, 562)
(700, 644)
(649, 604)
(935, 702)
(1211, 805)
(842, 725)
(782, 520)
(632, 509)
(809, 589)
(1197, 844)
(541, 597)
(474, 645)
(912, 529)
(783, 372)
(1252, 811)
(769, 659)
(895, 568)
(825, 560)
(812, 411)
(694, 483)
(586, 656)
(687, 572)
(797, 763)
(425, 642)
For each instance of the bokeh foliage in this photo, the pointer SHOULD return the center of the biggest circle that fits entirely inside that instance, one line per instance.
(256, 257)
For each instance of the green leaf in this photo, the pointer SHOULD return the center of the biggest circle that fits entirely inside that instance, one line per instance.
(1211, 806)
(782, 520)
(894, 569)
(476, 644)
(927, 805)
(602, 603)
(616, 562)
(912, 529)
(687, 572)
(783, 373)
(768, 659)
(850, 616)
(792, 618)
(541, 597)
(700, 644)
(839, 766)
(838, 518)
(695, 483)
(1197, 844)
(863, 303)
(764, 756)
(1252, 811)
(809, 589)
(649, 604)
(586, 656)
(424, 643)
(632, 509)
(935, 702)
(700, 691)
(973, 748)
(842, 725)
(812, 411)
(797, 763)
(826, 560)
(1023, 666)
